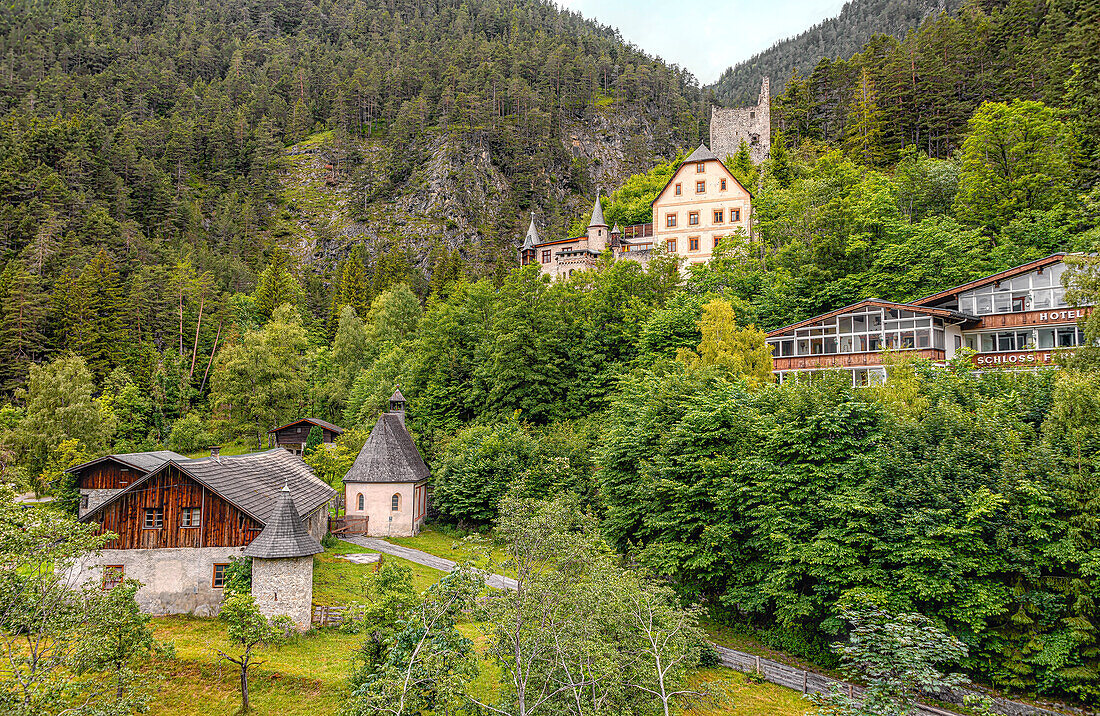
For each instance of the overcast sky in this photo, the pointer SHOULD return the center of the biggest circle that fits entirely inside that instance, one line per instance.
(706, 37)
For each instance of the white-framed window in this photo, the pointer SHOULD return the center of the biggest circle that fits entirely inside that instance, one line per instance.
(1033, 291)
(190, 517)
(395, 502)
(154, 518)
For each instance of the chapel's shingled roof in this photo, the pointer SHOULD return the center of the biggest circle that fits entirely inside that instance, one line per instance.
(701, 154)
(144, 461)
(249, 482)
(312, 421)
(597, 213)
(284, 535)
(389, 455)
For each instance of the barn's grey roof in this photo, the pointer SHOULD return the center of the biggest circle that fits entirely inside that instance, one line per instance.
(312, 421)
(389, 455)
(284, 535)
(144, 461)
(597, 213)
(532, 237)
(249, 482)
(701, 154)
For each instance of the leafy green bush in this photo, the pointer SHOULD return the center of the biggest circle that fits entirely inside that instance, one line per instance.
(189, 435)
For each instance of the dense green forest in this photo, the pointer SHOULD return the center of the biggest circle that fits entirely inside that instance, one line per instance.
(840, 36)
(167, 282)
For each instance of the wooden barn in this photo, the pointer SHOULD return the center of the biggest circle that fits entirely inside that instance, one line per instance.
(292, 436)
(180, 524)
(99, 479)
(386, 489)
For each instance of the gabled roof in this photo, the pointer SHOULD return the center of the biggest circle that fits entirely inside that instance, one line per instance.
(312, 421)
(250, 483)
(284, 535)
(994, 278)
(143, 461)
(701, 154)
(532, 237)
(389, 455)
(597, 213)
(940, 312)
(397, 397)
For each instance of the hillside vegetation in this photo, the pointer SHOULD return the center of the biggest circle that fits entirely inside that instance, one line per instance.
(836, 37)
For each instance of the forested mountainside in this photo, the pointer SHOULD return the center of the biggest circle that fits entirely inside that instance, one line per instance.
(144, 176)
(840, 36)
(922, 91)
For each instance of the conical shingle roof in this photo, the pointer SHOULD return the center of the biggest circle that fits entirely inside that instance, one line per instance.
(397, 397)
(597, 214)
(532, 237)
(389, 455)
(284, 536)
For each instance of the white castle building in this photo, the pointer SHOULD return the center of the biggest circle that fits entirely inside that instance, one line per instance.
(699, 206)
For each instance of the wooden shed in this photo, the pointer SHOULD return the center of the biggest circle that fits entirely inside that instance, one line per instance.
(293, 436)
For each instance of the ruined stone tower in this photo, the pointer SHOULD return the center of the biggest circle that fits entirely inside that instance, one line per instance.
(753, 124)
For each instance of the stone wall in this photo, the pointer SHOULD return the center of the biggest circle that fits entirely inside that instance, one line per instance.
(284, 586)
(95, 497)
(177, 581)
(753, 124)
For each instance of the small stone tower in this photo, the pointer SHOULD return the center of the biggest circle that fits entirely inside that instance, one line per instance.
(597, 228)
(527, 253)
(753, 124)
(282, 564)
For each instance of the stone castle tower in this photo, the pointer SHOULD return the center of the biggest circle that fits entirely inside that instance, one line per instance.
(753, 124)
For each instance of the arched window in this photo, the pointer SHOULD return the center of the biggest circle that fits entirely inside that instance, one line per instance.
(360, 501)
(395, 502)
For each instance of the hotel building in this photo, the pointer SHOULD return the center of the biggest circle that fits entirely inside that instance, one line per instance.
(1017, 318)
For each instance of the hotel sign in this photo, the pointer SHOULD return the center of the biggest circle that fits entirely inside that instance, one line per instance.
(1032, 318)
(1016, 359)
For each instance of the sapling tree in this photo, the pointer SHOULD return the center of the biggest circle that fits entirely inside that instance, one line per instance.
(247, 630)
(44, 616)
(427, 662)
(897, 656)
(119, 638)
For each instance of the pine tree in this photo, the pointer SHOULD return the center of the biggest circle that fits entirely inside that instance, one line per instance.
(24, 313)
(864, 129)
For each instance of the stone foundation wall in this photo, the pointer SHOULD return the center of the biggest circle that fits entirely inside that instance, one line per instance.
(284, 586)
(176, 581)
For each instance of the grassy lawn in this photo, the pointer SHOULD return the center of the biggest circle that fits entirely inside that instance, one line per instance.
(454, 548)
(308, 676)
(337, 581)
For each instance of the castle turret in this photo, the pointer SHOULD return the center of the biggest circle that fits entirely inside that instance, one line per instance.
(597, 228)
(527, 253)
(616, 238)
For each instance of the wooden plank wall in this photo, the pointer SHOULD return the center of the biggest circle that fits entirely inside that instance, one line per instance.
(108, 476)
(222, 524)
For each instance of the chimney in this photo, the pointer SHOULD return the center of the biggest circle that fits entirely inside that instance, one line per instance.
(215, 452)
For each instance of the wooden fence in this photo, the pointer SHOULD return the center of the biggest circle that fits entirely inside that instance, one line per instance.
(347, 525)
(328, 616)
(809, 682)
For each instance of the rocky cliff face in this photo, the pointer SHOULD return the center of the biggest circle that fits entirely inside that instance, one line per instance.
(459, 197)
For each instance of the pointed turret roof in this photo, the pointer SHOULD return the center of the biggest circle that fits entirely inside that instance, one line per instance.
(616, 230)
(597, 213)
(284, 536)
(397, 397)
(532, 235)
(701, 154)
(389, 455)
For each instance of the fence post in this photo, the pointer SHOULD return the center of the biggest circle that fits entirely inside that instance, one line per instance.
(850, 691)
(805, 678)
(758, 669)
